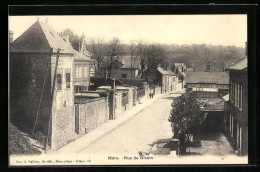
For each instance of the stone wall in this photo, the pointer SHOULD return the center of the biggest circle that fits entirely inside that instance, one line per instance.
(27, 73)
(63, 116)
(92, 114)
(63, 127)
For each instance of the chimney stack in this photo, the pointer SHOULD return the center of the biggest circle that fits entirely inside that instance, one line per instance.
(11, 36)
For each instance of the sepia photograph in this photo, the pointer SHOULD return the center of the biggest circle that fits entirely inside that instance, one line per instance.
(128, 89)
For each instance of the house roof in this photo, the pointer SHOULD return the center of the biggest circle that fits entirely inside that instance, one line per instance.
(162, 71)
(124, 60)
(239, 65)
(171, 73)
(40, 37)
(207, 77)
(127, 63)
(226, 97)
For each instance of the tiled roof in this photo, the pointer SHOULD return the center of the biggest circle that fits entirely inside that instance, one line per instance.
(207, 77)
(239, 65)
(162, 71)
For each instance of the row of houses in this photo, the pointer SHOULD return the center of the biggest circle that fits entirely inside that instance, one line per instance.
(50, 86)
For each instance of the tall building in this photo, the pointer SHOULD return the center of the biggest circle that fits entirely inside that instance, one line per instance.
(236, 108)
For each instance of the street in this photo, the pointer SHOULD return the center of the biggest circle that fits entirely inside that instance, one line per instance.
(138, 133)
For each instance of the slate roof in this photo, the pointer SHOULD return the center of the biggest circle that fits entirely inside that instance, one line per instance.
(207, 77)
(162, 71)
(239, 65)
(40, 38)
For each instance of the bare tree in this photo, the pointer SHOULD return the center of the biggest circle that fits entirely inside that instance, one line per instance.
(97, 48)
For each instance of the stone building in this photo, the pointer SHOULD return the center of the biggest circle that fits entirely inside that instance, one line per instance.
(40, 59)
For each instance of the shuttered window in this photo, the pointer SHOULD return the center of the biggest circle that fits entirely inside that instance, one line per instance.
(59, 81)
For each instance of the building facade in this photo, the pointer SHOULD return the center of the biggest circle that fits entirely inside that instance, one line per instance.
(236, 108)
(207, 84)
(41, 84)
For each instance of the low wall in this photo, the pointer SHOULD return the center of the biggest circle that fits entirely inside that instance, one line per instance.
(92, 114)
(63, 127)
(118, 104)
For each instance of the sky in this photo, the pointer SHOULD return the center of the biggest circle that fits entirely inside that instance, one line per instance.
(169, 29)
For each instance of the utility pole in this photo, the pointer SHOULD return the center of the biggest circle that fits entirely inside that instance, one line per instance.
(52, 94)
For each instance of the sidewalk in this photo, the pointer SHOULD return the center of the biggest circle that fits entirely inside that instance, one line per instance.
(79, 144)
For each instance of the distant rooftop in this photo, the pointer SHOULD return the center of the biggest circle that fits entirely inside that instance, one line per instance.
(162, 71)
(239, 65)
(207, 77)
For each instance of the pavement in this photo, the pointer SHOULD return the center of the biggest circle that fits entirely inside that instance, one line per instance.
(82, 144)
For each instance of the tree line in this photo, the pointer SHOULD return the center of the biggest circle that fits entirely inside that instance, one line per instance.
(152, 54)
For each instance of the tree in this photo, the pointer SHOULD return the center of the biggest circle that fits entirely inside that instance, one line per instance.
(186, 115)
(97, 49)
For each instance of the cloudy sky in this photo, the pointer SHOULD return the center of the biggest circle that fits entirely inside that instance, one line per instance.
(169, 29)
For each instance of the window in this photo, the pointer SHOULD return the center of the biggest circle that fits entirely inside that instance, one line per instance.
(59, 82)
(77, 72)
(238, 135)
(231, 91)
(232, 125)
(240, 138)
(67, 80)
(124, 75)
(241, 95)
(235, 95)
(238, 95)
(86, 72)
(80, 72)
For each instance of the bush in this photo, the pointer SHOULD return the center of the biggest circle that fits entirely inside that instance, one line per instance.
(186, 115)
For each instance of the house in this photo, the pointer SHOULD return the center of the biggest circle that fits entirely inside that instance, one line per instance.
(93, 67)
(180, 70)
(172, 80)
(41, 84)
(123, 66)
(207, 84)
(163, 79)
(236, 108)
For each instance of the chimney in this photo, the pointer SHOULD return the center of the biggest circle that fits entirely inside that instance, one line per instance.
(11, 36)
(65, 37)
